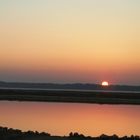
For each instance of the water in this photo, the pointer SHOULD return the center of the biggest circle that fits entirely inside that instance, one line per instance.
(45, 89)
(62, 118)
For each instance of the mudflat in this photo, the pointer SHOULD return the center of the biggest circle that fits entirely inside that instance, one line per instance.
(73, 96)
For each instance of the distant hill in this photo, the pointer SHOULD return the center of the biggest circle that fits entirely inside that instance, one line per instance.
(76, 86)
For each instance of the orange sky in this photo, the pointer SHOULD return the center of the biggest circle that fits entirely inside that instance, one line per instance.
(73, 41)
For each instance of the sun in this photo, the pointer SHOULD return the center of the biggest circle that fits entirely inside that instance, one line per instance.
(105, 84)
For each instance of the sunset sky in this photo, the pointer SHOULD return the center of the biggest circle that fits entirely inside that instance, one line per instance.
(69, 41)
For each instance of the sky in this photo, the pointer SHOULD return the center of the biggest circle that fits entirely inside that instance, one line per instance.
(70, 41)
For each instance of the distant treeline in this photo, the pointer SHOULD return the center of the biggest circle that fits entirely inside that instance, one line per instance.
(78, 86)
(15, 134)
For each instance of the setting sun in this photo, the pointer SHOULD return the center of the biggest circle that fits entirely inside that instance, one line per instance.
(105, 83)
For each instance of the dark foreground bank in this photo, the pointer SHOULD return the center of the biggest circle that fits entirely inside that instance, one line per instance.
(15, 134)
(74, 96)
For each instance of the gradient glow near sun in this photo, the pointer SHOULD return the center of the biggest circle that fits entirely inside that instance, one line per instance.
(105, 83)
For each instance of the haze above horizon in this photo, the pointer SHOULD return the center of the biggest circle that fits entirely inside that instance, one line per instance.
(86, 41)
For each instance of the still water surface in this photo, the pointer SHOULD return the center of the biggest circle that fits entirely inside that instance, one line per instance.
(62, 118)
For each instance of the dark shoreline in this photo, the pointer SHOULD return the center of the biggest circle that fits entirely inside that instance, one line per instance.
(16, 134)
(70, 96)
